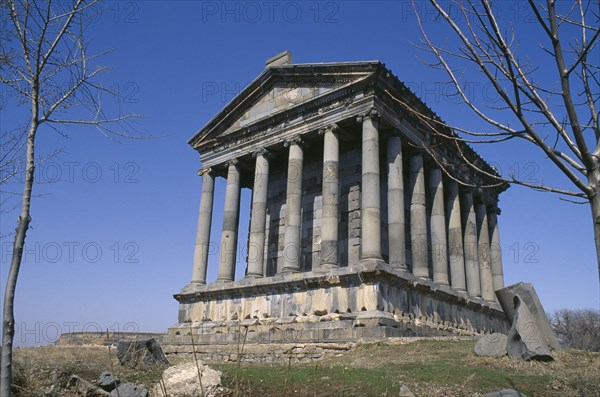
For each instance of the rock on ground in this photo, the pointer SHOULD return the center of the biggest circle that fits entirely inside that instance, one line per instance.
(405, 392)
(108, 381)
(530, 336)
(492, 345)
(129, 390)
(524, 339)
(140, 353)
(83, 387)
(182, 380)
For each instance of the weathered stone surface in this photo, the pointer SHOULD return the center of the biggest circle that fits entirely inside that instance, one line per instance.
(530, 336)
(108, 381)
(505, 393)
(129, 390)
(405, 392)
(183, 380)
(141, 353)
(493, 345)
(230, 219)
(524, 339)
(368, 294)
(529, 296)
(85, 388)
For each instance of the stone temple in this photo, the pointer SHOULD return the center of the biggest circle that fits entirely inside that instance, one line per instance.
(364, 224)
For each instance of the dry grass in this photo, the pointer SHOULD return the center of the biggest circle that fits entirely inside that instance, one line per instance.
(428, 368)
(38, 368)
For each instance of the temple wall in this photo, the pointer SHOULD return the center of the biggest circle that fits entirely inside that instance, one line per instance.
(349, 213)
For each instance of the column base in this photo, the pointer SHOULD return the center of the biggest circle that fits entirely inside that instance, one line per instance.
(371, 257)
(400, 266)
(329, 265)
(222, 280)
(193, 287)
(422, 275)
(250, 279)
(326, 268)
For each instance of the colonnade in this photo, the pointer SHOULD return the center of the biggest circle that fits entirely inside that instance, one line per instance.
(451, 228)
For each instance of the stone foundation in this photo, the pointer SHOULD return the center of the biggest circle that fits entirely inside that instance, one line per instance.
(367, 302)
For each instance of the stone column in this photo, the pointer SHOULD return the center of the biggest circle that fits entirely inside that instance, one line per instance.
(256, 240)
(329, 220)
(370, 234)
(204, 222)
(418, 218)
(495, 251)
(470, 245)
(483, 248)
(230, 223)
(395, 203)
(455, 238)
(293, 207)
(437, 226)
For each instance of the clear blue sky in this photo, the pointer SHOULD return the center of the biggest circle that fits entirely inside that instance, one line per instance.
(112, 237)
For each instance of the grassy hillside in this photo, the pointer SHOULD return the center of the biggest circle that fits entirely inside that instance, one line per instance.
(428, 368)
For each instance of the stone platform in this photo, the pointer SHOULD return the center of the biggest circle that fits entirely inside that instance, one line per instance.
(370, 301)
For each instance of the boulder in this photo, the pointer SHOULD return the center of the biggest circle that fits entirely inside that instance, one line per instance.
(523, 339)
(141, 353)
(491, 345)
(530, 336)
(182, 380)
(108, 381)
(129, 390)
(505, 393)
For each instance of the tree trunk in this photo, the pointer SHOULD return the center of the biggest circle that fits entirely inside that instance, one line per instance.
(594, 183)
(8, 321)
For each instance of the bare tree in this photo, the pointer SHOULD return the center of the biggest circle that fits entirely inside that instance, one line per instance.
(579, 329)
(46, 67)
(548, 101)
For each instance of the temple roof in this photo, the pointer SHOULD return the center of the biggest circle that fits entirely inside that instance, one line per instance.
(289, 91)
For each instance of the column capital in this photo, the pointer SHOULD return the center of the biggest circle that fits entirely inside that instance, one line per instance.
(231, 162)
(295, 140)
(332, 128)
(372, 114)
(205, 171)
(267, 154)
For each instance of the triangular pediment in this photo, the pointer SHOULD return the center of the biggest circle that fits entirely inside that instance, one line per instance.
(282, 97)
(280, 89)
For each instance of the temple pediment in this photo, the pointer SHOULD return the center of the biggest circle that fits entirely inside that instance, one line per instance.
(280, 98)
(279, 89)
